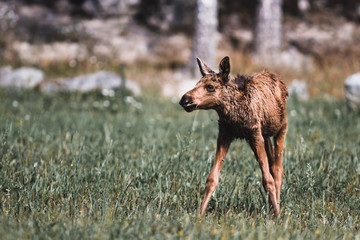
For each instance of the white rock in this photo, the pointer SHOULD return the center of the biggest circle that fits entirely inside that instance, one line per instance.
(290, 59)
(91, 82)
(352, 91)
(99, 81)
(50, 87)
(298, 88)
(24, 77)
(133, 87)
(293, 59)
(54, 52)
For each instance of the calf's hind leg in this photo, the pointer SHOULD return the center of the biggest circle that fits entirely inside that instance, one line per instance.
(258, 146)
(277, 167)
(270, 155)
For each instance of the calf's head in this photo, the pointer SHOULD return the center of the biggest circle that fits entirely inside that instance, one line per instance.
(207, 93)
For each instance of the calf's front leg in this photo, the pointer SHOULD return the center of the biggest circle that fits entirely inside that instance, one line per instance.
(223, 144)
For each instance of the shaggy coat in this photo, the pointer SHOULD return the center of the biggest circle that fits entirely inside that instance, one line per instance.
(251, 102)
(251, 108)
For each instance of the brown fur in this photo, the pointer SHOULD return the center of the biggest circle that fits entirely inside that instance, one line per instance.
(249, 107)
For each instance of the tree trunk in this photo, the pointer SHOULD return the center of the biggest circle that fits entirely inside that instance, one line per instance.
(205, 39)
(268, 31)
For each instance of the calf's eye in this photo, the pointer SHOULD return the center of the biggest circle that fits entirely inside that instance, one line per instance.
(210, 88)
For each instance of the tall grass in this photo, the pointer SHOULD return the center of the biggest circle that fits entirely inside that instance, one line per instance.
(86, 166)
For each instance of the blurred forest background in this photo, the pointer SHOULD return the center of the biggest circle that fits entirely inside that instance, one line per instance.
(315, 42)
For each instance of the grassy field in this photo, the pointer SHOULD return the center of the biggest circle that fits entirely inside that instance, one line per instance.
(86, 166)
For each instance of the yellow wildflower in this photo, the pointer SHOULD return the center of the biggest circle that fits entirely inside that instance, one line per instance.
(215, 231)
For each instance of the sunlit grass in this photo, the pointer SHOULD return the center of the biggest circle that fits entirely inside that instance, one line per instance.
(87, 166)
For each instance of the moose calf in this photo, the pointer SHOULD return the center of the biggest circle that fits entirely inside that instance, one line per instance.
(251, 108)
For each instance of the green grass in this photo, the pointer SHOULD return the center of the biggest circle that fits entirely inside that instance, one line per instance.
(84, 166)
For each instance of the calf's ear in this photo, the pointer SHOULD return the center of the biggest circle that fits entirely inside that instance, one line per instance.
(224, 69)
(204, 69)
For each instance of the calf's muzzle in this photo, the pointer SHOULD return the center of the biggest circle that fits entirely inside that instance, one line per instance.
(187, 103)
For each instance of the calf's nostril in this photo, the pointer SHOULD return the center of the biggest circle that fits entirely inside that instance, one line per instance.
(185, 101)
